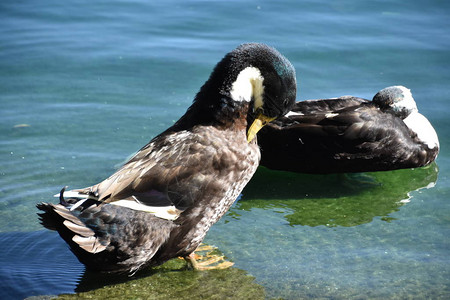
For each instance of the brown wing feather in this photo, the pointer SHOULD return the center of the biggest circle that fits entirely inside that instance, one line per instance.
(160, 172)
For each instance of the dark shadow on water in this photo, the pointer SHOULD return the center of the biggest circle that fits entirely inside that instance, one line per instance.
(39, 264)
(337, 199)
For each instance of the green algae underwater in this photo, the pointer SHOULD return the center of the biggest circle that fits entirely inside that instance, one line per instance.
(170, 281)
(337, 199)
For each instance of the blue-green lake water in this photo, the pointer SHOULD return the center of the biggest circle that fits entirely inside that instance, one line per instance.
(84, 84)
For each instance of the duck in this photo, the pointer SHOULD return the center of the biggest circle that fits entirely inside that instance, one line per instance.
(161, 203)
(350, 134)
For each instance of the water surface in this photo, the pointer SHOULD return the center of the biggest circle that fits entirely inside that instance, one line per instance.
(84, 85)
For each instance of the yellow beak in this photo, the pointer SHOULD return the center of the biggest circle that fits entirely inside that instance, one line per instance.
(260, 121)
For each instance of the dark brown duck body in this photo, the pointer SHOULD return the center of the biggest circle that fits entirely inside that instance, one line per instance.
(350, 134)
(162, 202)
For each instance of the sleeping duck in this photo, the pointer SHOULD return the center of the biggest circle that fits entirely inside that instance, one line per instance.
(350, 134)
(161, 203)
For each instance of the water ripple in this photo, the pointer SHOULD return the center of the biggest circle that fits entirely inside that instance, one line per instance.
(38, 261)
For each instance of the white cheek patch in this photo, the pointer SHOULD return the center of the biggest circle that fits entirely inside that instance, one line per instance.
(423, 128)
(248, 84)
(407, 102)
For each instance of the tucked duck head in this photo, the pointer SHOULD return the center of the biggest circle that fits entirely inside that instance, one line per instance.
(397, 99)
(253, 79)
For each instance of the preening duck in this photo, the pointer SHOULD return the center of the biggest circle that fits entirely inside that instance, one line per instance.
(161, 203)
(350, 134)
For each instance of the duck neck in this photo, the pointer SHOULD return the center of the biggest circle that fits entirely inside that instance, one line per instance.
(218, 111)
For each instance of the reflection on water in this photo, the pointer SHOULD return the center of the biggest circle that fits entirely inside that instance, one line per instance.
(335, 200)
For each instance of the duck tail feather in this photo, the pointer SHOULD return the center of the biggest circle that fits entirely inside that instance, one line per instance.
(48, 216)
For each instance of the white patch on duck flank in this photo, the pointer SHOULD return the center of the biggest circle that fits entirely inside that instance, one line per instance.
(72, 194)
(164, 212)
(248, 84)
(423, 128)
(331, 115)
(293, 113)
